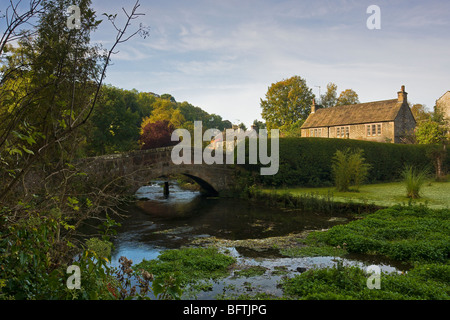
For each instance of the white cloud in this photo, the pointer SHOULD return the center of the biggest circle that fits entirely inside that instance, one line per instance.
(223, 55)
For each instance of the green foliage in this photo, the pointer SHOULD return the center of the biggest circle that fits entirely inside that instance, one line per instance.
(424, 282)
(329, 99)
(315, 248)
(32, 265)
(292, 130)
(251, 271)
(414, 180)
(48, 82)
(167, 288)
(308, 161)
(114, 125)
(100, 247)
(430, 132)
(118, 122)
(349, 168)
(402, 233)
(286, 102)
(188, 265)
(347, 97)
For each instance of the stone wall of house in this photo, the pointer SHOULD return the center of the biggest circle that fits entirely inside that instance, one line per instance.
(357, 131)
(404, 125)
(386, 135)
(443, 105)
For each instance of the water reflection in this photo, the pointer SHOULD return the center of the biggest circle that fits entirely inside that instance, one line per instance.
(157, 222)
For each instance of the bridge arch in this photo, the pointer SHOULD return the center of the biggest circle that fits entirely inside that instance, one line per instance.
(205, 186)
(135, 169)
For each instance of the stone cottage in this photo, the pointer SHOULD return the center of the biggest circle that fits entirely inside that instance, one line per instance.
(443, 105)
(381, 121)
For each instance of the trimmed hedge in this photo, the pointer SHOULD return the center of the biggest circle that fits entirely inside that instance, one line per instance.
(307, 161)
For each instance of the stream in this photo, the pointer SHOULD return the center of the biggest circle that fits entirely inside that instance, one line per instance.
(156, 223)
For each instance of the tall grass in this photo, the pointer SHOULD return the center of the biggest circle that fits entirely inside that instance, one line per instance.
(349, 168)
(414, 180)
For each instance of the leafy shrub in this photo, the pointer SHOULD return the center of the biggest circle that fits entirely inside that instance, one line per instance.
(31, 267)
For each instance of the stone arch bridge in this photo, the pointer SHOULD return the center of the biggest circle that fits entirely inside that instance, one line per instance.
(137, 168)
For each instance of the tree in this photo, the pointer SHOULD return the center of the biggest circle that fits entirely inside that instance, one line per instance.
(430, 132)
(286, 102)
(294, 130)
(156, 135)
(329, 99)
(242, 126)
(434, 132)
(167, 96)
(165, 110)
(346, 97)
(258, 125)
(114, 124)
(50, 83)
(420, 113)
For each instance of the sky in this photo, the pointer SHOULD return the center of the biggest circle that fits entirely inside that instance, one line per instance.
(222, 55)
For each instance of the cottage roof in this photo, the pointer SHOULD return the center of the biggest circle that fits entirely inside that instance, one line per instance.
(378, 111)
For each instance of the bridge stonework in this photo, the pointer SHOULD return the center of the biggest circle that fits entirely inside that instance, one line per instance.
(137, 168)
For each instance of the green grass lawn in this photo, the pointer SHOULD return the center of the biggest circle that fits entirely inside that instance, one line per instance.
(433, 194)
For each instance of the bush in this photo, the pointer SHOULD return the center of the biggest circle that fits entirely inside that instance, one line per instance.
(32, 268)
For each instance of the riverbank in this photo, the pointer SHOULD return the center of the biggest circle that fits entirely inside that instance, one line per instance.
(433, 194)
(417, 237)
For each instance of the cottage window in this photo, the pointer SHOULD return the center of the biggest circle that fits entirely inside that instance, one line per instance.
(320, 132)
(374, 130)
(315, 132)
(311, 133)
(342, 132)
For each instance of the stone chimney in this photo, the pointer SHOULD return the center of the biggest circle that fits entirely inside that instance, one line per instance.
(313, 106)
(402, 95)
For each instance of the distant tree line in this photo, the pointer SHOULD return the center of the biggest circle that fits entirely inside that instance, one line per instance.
(127, 120)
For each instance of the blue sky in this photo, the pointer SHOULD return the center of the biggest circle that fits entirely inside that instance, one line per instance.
(223, 55)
